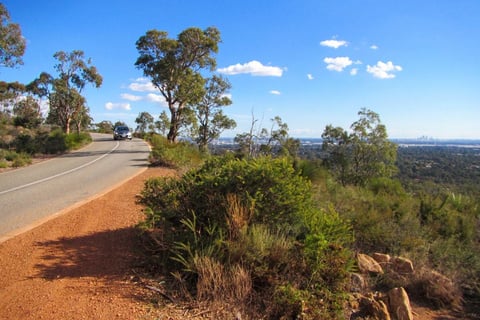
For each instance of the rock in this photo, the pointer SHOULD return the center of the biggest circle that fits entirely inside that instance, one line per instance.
(402, 265)
(367, 264)
(372, 308)
(399, 304)
(381, 258)
(357, 282)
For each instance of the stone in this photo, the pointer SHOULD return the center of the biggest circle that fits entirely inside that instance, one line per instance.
(367, 264)
(376, 309)
(402, 265)
(399, 304)
(381, 258)
(357, 282)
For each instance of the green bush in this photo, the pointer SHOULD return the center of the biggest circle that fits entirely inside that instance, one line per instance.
(175, 155)
(257, 213)
(75, 141)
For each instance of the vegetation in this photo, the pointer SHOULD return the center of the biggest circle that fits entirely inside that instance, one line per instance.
(364, 154)
(209, 115)
(274, 234)
(254, 221)
(66, 103)
(12, 44)
(175, 67)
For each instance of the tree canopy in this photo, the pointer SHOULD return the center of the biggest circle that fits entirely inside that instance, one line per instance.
(174, 66)
(212, 120)
(362, 154)
(12, 43)
(67, 104)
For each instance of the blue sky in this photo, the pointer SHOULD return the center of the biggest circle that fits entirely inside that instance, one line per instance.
(311, 62)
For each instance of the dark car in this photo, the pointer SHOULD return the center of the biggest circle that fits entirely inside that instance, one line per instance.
(122, 132)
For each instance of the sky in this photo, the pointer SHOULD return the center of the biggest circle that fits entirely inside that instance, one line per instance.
(310, 62)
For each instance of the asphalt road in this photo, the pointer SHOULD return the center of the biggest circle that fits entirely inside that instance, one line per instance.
(34, 194)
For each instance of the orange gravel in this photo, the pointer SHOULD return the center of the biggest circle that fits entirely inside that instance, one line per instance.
(78, 265)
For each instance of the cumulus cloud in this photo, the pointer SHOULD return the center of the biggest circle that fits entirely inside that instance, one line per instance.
(338, 63)
(374, 47)
(130, 97)
(333, 43)
(142, 85)
(255, 68)
(276, 92)
(117, 106)
(157, 98)
(354, 72)
(383, 70)
(310, 77)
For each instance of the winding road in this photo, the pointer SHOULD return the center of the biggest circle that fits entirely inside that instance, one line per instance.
(31, 195)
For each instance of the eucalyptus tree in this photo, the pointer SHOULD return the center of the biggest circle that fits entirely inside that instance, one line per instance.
(174, 67)
(145, 122)
(67, 104)
(212, 121)
(12, 43)
(363, 154)
(163, 123)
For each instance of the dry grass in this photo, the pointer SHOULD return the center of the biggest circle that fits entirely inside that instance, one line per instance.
(216, 283)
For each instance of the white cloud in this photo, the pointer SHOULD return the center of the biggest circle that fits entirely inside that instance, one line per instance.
(142, 85)
(383, 70)
(333, 43)
(255, 68)
(130, 97)
(157, 98)
(276, 92)
(310, 77)
(338, 63)
(354, 72)
(121, 106)
(374, 47)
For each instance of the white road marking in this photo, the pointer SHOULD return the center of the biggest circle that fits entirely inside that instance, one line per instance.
(60, 174)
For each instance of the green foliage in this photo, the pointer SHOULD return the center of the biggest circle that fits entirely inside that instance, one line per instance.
(259, 214)
(10, 158)
(212, 121)
(12, 43)
(175, 65)
(175, 155)
(364, 154)
(75, 141)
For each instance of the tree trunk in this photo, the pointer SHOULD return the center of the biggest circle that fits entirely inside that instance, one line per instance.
(174, 123)
(67, 126)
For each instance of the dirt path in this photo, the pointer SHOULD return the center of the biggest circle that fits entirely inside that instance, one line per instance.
(77, 266)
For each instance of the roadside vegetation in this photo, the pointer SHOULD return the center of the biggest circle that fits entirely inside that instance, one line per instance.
(276, 235)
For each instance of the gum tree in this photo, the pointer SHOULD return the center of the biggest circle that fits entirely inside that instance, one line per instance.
(174, 67)
(362, 154)
(12, 43)
(67, 104)
(211, 119)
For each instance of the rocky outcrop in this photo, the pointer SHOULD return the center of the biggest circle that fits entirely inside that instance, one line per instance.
(397, 272)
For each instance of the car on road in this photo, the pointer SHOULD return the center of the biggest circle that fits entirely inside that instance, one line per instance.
(122, 132)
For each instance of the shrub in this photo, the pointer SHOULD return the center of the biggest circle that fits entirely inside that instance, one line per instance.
(175, 155)
(252, 217)
(75, 141)
(21, 159)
